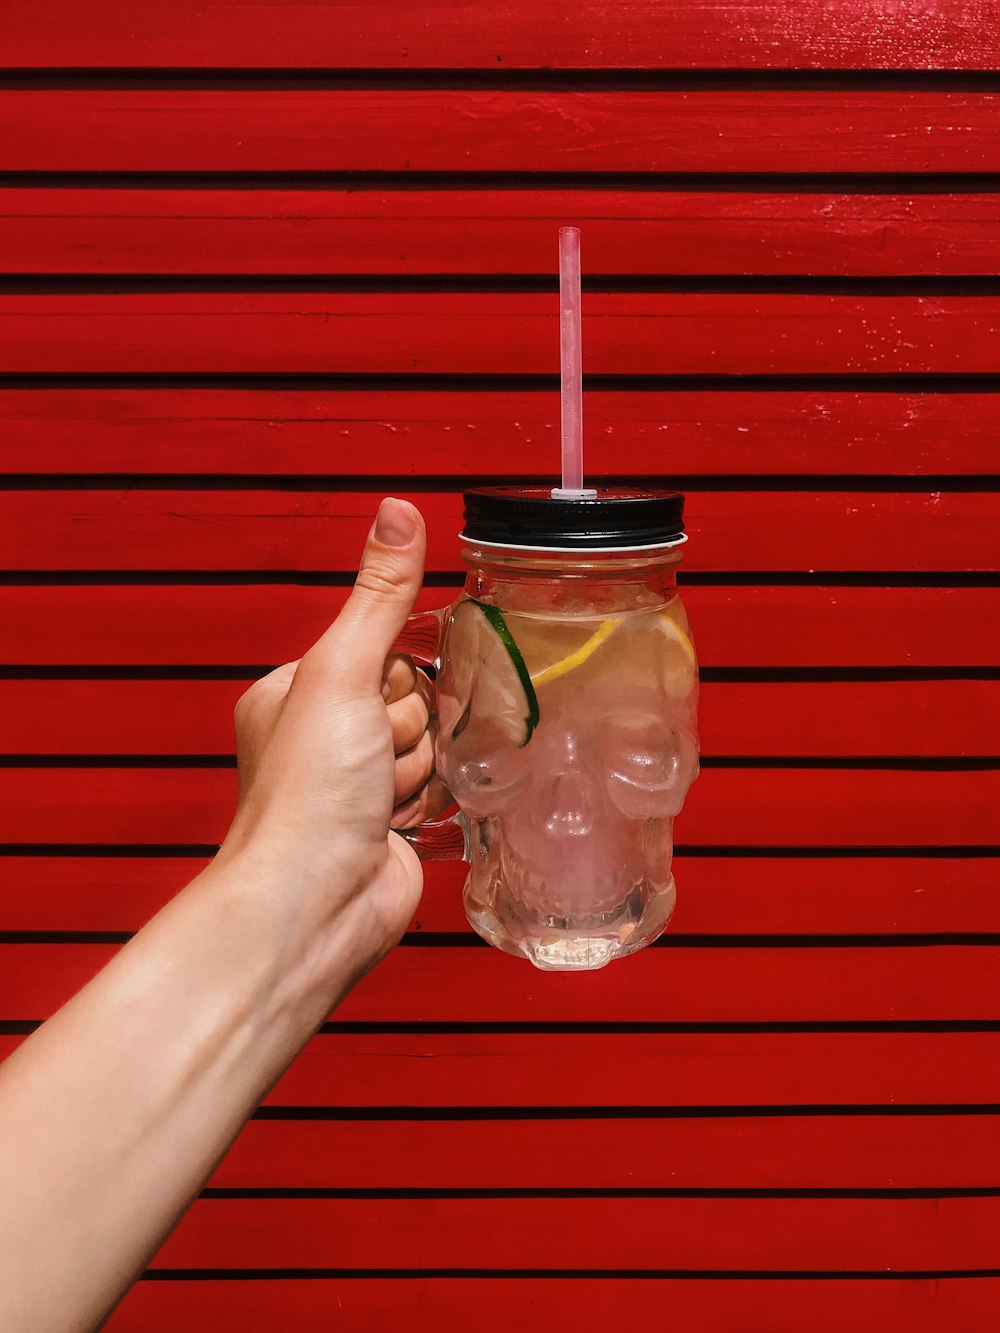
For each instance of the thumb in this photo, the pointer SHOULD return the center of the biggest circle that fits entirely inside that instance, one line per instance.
(392, 567)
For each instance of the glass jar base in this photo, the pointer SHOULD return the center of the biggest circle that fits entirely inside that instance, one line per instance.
(576, 946)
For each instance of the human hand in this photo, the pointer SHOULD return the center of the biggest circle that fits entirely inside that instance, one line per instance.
(336, 749)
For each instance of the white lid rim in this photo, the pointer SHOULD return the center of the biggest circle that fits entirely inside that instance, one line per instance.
(575, 550)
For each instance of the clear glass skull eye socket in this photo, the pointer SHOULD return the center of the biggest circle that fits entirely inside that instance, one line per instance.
(650, 764)
(484, 771)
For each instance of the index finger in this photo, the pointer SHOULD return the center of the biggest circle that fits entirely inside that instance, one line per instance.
(399, 678)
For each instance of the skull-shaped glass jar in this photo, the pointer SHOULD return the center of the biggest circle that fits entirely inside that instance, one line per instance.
(567, 693)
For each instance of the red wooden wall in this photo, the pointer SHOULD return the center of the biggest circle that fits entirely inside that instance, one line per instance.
(267, 262)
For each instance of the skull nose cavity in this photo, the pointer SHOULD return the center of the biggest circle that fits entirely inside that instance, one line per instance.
(566, 806)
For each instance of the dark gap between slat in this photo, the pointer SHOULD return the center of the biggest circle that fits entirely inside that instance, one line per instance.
(498, 78)
(75, 578)
(200, 578)
(959, 382)
(836, 579)
(714, 675)
(557, 1274)
(829, 675)
(67, 284)
(469, 940)
(113, 672)
(123, 761)
(872, 763)
(814, 182)
(339, 484)
(930, 852)
(766, 940)
(221, 1194)
(638, 1028)
(791, 1111)
(15, 1027)
(157, 851)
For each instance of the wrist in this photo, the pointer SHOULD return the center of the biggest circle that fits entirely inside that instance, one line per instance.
(303, 926)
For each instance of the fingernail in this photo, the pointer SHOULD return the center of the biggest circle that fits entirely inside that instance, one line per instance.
(386, 691)
(394, 524)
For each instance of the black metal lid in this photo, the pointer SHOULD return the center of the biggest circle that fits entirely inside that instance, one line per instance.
(623, 516)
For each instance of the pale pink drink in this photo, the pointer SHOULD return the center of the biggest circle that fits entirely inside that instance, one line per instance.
(567, 694)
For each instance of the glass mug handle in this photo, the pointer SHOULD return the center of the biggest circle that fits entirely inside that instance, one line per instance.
(444, 839)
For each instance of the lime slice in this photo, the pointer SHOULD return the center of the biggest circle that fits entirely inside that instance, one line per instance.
(486, 673)
(577, 658)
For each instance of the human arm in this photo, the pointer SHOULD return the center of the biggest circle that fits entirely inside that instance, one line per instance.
(115, 1112)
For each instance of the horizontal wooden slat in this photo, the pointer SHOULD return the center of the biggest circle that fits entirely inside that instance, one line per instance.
(734, 627)
(429, 1305)
(268, 431)
(584, 1234)
(349, 34)
(729, 806)
(409, 232)
(725, 985)
(759, 894)
(646, 1070)
(904, 982)
(120, 716)
(890, 717)
(814, 1152)
(180, 717)
(472, 333)
(649, 1069)
(789, 895)
(493, 129)
(89, 893)
(306, 530)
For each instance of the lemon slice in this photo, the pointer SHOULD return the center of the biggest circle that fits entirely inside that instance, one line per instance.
(678, 665)
(577, 658)
(642, 651)
(672, 630)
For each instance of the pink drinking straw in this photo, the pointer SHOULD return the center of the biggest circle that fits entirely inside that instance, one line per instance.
(571, 368)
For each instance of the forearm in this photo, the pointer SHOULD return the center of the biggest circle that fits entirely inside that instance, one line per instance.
(114, 1114)
(116, 1111)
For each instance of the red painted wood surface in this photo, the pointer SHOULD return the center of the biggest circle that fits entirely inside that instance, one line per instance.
(502, 333)
(178, 717)
(903, 937)
(810, 1068)
(651, 34)
(401, 129)
(403, 432)
(429, 1305)
(304, 530)
(584, 1234)
(674, 984)
(783, 895)
(731, 806)
(759, 1152)
(858, 627)
(488, 230)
